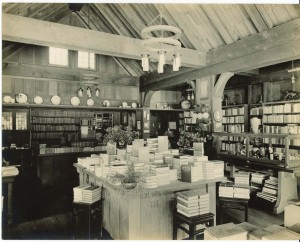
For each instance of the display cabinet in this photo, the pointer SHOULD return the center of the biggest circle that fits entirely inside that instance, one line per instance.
(15, 127)
(276, 152)
(280, 150)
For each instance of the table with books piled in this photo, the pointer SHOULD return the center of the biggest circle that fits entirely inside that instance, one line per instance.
(87, 212)
(145, 212)
(235, 195)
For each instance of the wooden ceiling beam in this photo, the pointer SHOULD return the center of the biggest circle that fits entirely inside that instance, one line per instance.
(26, 30)
(274, 46)
(55, 73)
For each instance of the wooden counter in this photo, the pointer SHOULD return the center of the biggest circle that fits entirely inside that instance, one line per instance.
(140, 213)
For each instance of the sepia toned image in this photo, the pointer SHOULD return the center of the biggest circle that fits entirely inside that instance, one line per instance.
(150, 121)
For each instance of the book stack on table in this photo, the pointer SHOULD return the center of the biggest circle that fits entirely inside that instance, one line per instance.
(91, 194)
(162, 174)
(226, 189)
(191, 203)
(86, 194)
(187, 203)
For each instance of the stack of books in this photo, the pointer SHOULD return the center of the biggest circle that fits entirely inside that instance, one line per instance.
(242, 178)
(139, 167)
(203, 203)
(177, 163)
(226, 189)
(121, 169)
(152, 143)
(269, 191)
(158, 158)
(129, 148)
(162, 174)
(9, 171)
(187, 203)
(241, 192)
(229, 231)
(191, 173)
(151, 181)
(248, 227)
(77, 192)
(87, 161)
(173, 175)
(198, 149)
(209, 170)
(163, 143)
(102, 171)
(257, 180)
(91, 194)
(218, 168)
(143, 154)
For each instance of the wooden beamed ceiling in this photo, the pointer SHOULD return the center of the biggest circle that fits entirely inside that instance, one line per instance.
(216, 37)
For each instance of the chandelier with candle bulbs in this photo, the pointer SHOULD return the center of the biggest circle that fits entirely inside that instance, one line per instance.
(161, 40)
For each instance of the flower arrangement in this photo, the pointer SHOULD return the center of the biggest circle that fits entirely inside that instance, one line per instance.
(186, 139)
(120, 134)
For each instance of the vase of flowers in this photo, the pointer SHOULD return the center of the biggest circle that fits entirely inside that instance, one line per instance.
(121, 135)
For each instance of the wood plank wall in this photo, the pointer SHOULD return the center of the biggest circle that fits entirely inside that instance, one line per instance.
(37, 56)
(169, 97)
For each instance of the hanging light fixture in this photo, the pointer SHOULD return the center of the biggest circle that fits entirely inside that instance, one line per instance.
(89, 79)
(293, 77)
(161, 40)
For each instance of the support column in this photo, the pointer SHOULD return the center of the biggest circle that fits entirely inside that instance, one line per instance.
(217, 95)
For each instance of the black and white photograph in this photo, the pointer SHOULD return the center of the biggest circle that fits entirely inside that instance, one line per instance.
(150, 120)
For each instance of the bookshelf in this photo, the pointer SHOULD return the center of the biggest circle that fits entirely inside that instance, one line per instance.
(235, 118)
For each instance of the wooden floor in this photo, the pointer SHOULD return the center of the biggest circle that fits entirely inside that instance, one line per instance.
(256, 217)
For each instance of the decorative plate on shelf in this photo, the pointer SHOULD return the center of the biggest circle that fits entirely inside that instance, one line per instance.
(90, 102)
(38, 100)
(217, 115)
(75, 101)
(21, 98)
(185, 104)
(106, 103)
(124, 104)
(206, 115)
(134, 105)
(55, 100)
(200, 115)
(7, 99)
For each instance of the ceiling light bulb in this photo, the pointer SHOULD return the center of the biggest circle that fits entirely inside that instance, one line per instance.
(162, 57)
(145, 62)
(175, 66)
(160, 68)
(178, 59)
(293, 79)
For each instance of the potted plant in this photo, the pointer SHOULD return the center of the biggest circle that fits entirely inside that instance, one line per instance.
(122, 135)
(130, 178)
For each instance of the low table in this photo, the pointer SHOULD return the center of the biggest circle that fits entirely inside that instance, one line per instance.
(233, 203)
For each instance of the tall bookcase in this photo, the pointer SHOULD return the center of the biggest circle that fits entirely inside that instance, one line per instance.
(235, 118)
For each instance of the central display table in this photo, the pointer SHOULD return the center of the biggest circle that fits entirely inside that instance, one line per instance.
(140, 213)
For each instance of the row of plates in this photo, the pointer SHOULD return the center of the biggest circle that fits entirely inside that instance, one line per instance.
(56, 100)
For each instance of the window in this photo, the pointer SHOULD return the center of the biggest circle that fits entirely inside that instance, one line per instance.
(83, 60)
(58, 56)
